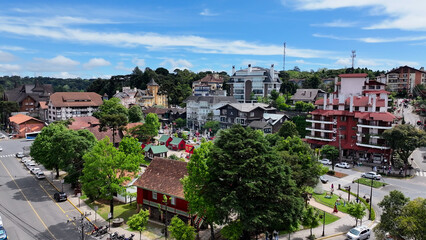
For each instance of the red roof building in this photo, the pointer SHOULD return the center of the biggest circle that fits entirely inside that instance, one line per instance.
(22, 124)
(353, 119)
(162, 177)
(405, 79)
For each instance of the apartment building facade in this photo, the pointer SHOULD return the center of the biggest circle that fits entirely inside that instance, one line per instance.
(405, 78)
(253, 82)
(352, 118)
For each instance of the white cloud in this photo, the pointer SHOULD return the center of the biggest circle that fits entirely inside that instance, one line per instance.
(58, 21)
(6, 57)
(12, 48)
(206, 12)
(406, 15)
(156, 41)
(96, 62)
(139, 62)
(121, 66)
(374, 39)
(7, 68)
(65, 75)
(377, 63)
(56, 64)
(176, 64)
(346, 62)
(336, 23)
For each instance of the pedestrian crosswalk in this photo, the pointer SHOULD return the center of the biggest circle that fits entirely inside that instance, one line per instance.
(421, 173)
(8, 155)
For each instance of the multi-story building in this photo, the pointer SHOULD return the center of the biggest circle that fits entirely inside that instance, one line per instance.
(200, 109)
(353, 118)
(243, 113)
(66, 105)
(208, 85)
(253, 82)
(404, 79)
(127, 96)
(151, 96)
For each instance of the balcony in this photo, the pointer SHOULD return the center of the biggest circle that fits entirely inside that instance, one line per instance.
(320, 121)
(376, 136)
(320, 130)
(372, 146)
(319, 138)
(374, 126)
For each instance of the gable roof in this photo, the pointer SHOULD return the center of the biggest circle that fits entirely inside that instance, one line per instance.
(76, 99)
(164, 138)
(176, 141)
(163, 175)
(248, 107)
(21, 118)
(158, 149)
(259, 124)
(306, 94)
(83, 122)
(353, 75)
(147, 147)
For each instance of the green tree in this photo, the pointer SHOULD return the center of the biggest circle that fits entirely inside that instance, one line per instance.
(301, 125)
(404, 139)
(135, 114)
(6, 108)
(180, 123)
(280, 103)
(357, 210)
(288, 129)
(392, 206)
(274, 95)
(412, 219)
(139, 221)
(331, 153)
(195, 183)
(112, 115)
(107, 168)
(299, 105)
(180, 230)
(214, 126)
(233, 230)
(312, 82)
(148, 130)
(310, 219)
(260, 197)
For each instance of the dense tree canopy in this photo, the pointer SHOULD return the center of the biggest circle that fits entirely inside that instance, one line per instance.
(180, 230)
(288, 129)
(212, 126)
(392, 206)
(135, 114)
(331, 153)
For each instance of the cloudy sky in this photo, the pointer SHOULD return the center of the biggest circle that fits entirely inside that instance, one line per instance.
(91, 39)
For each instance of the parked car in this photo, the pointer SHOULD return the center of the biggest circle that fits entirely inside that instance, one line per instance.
(3, 234)
(26, 159)
(19, 155)
(371, 175)
(323, 180)
(40, 175)
(35, 170)
(1, 149)
(60, 196)
(325, 161)
(359, 233)
(342, 165)
(1, 221)
(30, 164)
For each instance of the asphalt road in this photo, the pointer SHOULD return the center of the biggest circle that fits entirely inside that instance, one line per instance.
(26, 203)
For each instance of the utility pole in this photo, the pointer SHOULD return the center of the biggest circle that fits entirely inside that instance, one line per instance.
(340, 146)
(353, 55)
(284, 57)
(81, 222)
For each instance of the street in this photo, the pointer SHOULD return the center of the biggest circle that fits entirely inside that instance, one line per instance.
(26, 203)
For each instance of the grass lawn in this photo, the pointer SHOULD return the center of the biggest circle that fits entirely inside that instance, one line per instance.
(120, 210)
(329, 218)
(367, 182)
(330, 201)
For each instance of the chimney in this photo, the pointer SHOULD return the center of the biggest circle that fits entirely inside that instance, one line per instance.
(324, 104)
(233, 70)
(351, 103)
(116, 91)
(249, 68)
(272, 72)
(422, 69)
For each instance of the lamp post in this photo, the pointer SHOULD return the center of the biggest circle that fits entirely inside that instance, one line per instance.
(323, 224)
(357, 190)
(371, 197)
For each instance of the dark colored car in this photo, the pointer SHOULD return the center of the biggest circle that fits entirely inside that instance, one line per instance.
(60, 196)
(3, 234)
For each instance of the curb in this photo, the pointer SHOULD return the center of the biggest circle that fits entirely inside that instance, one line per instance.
(330, 236)
(53, 185)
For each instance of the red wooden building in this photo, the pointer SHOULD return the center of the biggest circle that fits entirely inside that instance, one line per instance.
(189, 148)
(165, 140)
(177, 144)
(21, 124)
(162, 177)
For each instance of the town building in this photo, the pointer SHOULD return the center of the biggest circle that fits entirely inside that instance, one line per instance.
(352, 118)
(21, 124)
(208, 85)
(271, 123)
(200, 109)
(165, 140)
(152, 151)
(405, 78)
(163, 177)
(253, 82)
(151, 96)
(177, 144)
(166, 115)
(29, 96)
(66, 105)
(126, 96)
(242, 113)
(307, 95)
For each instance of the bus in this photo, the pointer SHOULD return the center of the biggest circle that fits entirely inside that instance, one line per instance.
(31, 135)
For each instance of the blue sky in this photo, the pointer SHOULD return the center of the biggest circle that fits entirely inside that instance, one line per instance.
(91, 39)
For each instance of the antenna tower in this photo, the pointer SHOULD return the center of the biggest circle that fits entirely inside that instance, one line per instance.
(284, 58)
(353, 55)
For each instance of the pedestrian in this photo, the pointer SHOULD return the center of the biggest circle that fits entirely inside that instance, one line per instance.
(372, 168)
(375, 169)
(275, 235)
(332, 186)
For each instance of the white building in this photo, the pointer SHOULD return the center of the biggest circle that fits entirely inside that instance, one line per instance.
(127, 96)
(200, 109)
(66, 105)
(253, 82)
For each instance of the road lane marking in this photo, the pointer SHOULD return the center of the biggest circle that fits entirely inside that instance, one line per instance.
(51, 198)
(26, 199)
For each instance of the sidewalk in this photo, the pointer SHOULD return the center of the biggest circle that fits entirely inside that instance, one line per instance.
(84, 208)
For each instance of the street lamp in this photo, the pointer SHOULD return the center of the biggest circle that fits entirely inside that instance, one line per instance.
(371, 197)
(323, 224)
(357, 189)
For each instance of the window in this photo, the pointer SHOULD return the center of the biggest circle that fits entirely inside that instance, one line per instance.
(223, 119)
(223, 111)
(251, 114)
(173, 200)
(335, 107)
(343, 118)
(353, 137)
(377, 109)
(356, 108)
(355, 128)
(154, 195)
(342, 128)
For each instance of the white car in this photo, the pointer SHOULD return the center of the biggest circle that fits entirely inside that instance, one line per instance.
(35, 170)
(325, 161)
(20, 155)
(40, 175)
(371, 175)
(359, 233)
(1, 149)
(26, 159)
(30, 164)
(342, 165)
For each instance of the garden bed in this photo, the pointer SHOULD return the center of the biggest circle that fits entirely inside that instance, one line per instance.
(331, 200)
(336, 174)
(367, 182)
